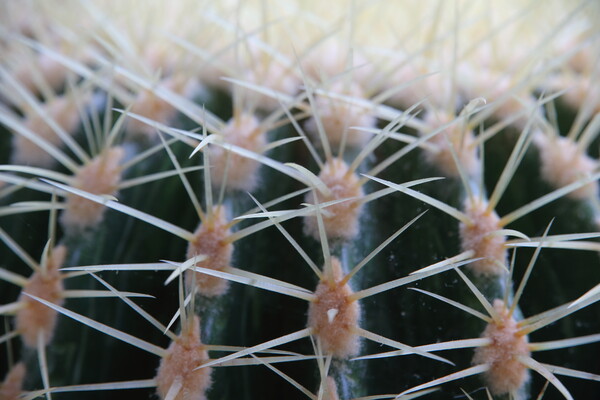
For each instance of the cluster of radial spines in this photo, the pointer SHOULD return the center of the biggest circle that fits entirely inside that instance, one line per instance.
(230, 169)
(500, 91)
(582, 92)
(34, 318)
(38, 73)
(147, 104)
(455, 138)
(335, 57)
(341, 220)
(563, 162)
(60, 109)
(183, 357)
(211, 240)
(479, 235)
(33, 70)
(506, 374)
(334, 315)
(426, 82)
(579, 74)
(102, 175)
(274, 76)
(340, 118)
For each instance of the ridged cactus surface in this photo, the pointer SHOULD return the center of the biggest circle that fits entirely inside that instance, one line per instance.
(299, 199)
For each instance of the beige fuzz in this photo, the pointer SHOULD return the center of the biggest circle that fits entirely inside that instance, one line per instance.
(462, 142)
(476, 236)
(10, 389)
(31, 69)
(334, 315)
(494, 87)
(582, 91)
(330, 59)
(101, 176)
(564, 163)
(273, 76)
(338, 116)
(34, 316)
(340, 220)
(242, 173)
(506, 374)
(63, 111)
(210, 240)
(420, 81)
(183, 355)
(149, 105)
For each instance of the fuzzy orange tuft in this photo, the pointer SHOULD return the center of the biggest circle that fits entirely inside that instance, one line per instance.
(101, 176)
(149, 105)
(210, 239)
(273, 76)
(462, 142)
(582, 91)
(477, 236)
(184, 355)
(419, 81)
(506, 374)
(63, 111)
(340, 220)
(40, 69)
(34, 316)
(330, 60)
(499, 90)
(338, 116)
(245, 132)
(333, 315)
(11, 388)
(563, 163)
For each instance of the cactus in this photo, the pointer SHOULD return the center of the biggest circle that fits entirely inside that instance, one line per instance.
(334, 200)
